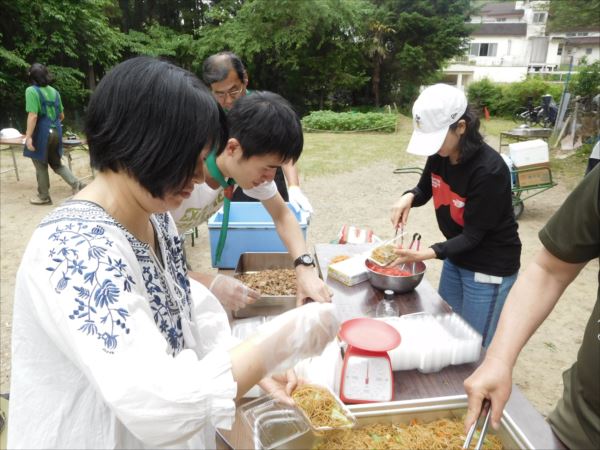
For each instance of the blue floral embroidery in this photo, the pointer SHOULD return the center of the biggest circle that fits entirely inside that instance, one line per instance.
(81, 263)
(97, 294)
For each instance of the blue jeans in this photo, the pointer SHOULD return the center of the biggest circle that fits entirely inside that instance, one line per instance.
(479, 303)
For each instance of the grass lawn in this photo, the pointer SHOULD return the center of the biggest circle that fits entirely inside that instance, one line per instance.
(332, 153)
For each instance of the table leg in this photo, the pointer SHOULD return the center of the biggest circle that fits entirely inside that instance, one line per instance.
(12, 153)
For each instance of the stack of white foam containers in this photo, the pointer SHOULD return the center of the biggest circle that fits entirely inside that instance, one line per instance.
(432, 342)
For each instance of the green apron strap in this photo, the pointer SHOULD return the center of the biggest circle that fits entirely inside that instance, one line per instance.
(227, 185)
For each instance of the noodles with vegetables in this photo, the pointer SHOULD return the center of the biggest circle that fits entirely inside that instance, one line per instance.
(320, 407)
(441, 434)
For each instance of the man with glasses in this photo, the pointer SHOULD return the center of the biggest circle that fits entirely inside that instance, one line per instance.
(227, 78)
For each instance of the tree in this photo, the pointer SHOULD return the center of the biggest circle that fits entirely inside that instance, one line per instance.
(573, 15)
(72, 38)
(427, 34)
(307, 51)
(378, 49)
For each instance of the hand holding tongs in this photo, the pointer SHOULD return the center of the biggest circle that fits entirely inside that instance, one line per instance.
(415, 239)
(486, 404)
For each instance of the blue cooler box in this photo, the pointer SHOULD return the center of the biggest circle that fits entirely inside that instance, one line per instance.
(251, 229)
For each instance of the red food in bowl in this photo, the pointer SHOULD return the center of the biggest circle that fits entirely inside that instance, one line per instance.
(392, 271)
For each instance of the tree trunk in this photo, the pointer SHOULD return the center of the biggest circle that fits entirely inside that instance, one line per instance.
(376, 80)
(124, 5)
(91, 77)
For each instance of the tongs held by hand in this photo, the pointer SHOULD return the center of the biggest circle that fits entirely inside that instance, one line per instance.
(484, 427)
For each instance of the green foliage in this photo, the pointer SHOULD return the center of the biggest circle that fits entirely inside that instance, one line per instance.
(69, 82)
(159, 41)
(587, 81)
(350, 121)
(485, 93)
(319, 54)
(573, 15)
(427, 33)
(515, 95)
(307, 51)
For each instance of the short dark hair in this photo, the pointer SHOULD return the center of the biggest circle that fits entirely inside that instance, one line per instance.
(151, 119)
(216, 67)
(39, 75)
(265, 123)
(471, 140)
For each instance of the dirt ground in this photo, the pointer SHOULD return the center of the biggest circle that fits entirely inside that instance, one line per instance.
(363, 198)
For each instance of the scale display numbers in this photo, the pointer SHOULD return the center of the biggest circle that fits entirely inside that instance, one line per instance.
(367, 378)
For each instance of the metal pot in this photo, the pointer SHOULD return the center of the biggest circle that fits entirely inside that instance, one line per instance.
(397, 283)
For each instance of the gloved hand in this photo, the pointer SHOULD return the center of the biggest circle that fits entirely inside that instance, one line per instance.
(232, 293)
(295, 335)
(299, 200)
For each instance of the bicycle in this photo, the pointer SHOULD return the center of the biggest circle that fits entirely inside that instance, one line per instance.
(543, 115)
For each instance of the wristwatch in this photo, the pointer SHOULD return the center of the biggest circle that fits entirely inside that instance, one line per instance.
(305, 260)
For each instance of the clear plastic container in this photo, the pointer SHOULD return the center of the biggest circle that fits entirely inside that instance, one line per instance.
(244, 328)
(350, 420)
(278, 425)
(273, 423)
(432, 342)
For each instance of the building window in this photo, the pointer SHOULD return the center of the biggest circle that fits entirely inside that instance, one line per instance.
(501, 19)
(539, 17)
(509, 45)
(571, 34)
(588, 51)
(560, 49)
(585, 33)
(483, 49)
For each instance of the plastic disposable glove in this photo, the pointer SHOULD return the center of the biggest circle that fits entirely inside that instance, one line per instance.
(232, 293)
(299, 200)
(295, 335)
(281, 386)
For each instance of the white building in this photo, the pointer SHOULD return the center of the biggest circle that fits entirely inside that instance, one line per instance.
(509, 40)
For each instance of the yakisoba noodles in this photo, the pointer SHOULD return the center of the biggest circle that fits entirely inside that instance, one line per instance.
(384, 254)
(321, 408)
(441, 434)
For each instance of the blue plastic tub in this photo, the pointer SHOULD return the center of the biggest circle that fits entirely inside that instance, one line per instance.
(251, 229)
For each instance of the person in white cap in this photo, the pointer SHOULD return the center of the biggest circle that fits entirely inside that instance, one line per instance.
(470, 186)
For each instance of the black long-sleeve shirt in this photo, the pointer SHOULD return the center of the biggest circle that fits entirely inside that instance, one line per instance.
(473, 206)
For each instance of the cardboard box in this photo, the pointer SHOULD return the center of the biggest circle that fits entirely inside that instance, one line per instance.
(533, 175)
(251, 229)
(528, 153)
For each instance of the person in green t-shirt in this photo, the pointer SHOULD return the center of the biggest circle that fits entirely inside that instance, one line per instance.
(571, 239)
(43, 138)
(224, 73)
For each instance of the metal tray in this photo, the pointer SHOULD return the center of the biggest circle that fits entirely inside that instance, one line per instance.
(268, 305)
(427, 410)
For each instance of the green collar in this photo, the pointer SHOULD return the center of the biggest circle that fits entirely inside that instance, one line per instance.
(213, 169)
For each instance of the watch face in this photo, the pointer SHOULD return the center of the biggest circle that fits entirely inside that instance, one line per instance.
(307, 259)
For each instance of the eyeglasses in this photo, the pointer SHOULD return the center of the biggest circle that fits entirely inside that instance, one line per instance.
(234, 93)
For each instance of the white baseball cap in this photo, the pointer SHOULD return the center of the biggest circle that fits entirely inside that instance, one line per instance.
(438, 107)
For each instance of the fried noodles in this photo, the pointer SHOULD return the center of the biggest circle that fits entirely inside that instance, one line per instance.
(320, 407)
(441, 434)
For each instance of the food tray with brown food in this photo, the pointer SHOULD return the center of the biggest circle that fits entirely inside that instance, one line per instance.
(385, 425)
(273, 275)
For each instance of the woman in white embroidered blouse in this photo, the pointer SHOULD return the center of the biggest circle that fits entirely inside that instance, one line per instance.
(113, 346)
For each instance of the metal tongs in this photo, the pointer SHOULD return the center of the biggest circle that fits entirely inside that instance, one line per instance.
(416, 239)
(486, 404)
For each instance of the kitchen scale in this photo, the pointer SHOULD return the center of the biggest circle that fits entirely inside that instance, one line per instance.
(367, 370)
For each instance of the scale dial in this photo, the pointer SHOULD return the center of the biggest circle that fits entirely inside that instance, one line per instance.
(367, 379)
